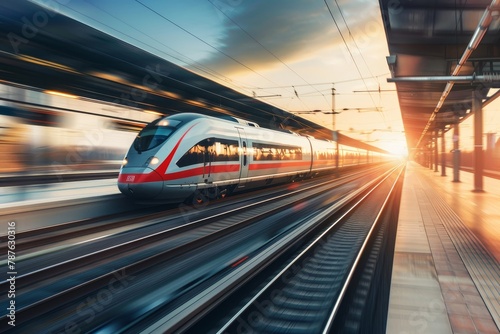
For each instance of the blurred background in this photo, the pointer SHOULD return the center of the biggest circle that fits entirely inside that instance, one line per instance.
(50, 132)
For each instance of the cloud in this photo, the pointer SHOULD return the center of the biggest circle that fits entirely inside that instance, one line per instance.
(260, 35)
(274, 29)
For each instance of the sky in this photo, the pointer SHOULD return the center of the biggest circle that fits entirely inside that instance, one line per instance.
(288, 53)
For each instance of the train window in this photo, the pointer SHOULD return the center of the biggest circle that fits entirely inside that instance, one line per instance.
(155, 133)
(325, 155)
(210, 150)
(263, 151)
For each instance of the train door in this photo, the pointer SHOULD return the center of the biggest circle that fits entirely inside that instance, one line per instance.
(244, 156)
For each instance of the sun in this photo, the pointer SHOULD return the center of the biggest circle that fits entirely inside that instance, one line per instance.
(397, 148)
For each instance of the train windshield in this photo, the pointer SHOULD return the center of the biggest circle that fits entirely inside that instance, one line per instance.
(155, 133)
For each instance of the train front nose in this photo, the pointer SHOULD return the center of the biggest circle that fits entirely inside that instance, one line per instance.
(147, 190)
(145, 185)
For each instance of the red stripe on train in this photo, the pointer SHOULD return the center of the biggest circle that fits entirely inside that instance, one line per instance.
(199, 171)
(164, 165)
(139, 178)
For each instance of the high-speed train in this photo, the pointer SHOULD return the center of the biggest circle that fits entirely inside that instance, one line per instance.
(194, 156)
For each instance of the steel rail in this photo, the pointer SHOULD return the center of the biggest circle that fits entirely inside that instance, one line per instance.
(300, 256)
(358, 257)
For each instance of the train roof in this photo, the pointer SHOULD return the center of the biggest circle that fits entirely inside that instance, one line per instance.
(187, 117)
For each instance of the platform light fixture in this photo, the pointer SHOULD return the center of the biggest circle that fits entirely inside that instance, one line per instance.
(153, 112)
(53, 92)
(391, 62)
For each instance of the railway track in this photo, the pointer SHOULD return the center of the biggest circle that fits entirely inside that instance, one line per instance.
(307, 294)
(91, 272)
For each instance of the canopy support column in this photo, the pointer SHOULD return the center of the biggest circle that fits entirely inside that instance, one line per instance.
(443, 155)
(477, 109)
(436, 151)
(456, 152)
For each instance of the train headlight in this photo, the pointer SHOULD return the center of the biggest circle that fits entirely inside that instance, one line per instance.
(124, 161)
(154, 161)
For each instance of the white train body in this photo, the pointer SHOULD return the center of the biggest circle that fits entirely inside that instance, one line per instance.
(175, 156)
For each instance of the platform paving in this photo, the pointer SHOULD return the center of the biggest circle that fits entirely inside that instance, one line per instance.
(446, 274)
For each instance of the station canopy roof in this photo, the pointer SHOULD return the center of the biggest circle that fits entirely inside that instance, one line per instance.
(442, 53)
(67, 56)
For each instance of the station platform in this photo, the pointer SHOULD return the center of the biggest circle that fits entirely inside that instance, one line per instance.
(446, 273)
(23, 196)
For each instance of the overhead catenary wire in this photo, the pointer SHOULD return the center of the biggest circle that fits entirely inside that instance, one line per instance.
(188, 84)
(323, 83)
(198, 66)
(299, 91)
(241, 102)
(190, 62)
(269, 51)
(206, 43)
(202, 40)
(359, 51)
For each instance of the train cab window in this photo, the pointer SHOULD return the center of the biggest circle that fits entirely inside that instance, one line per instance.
(155, 134)
(210, 150)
